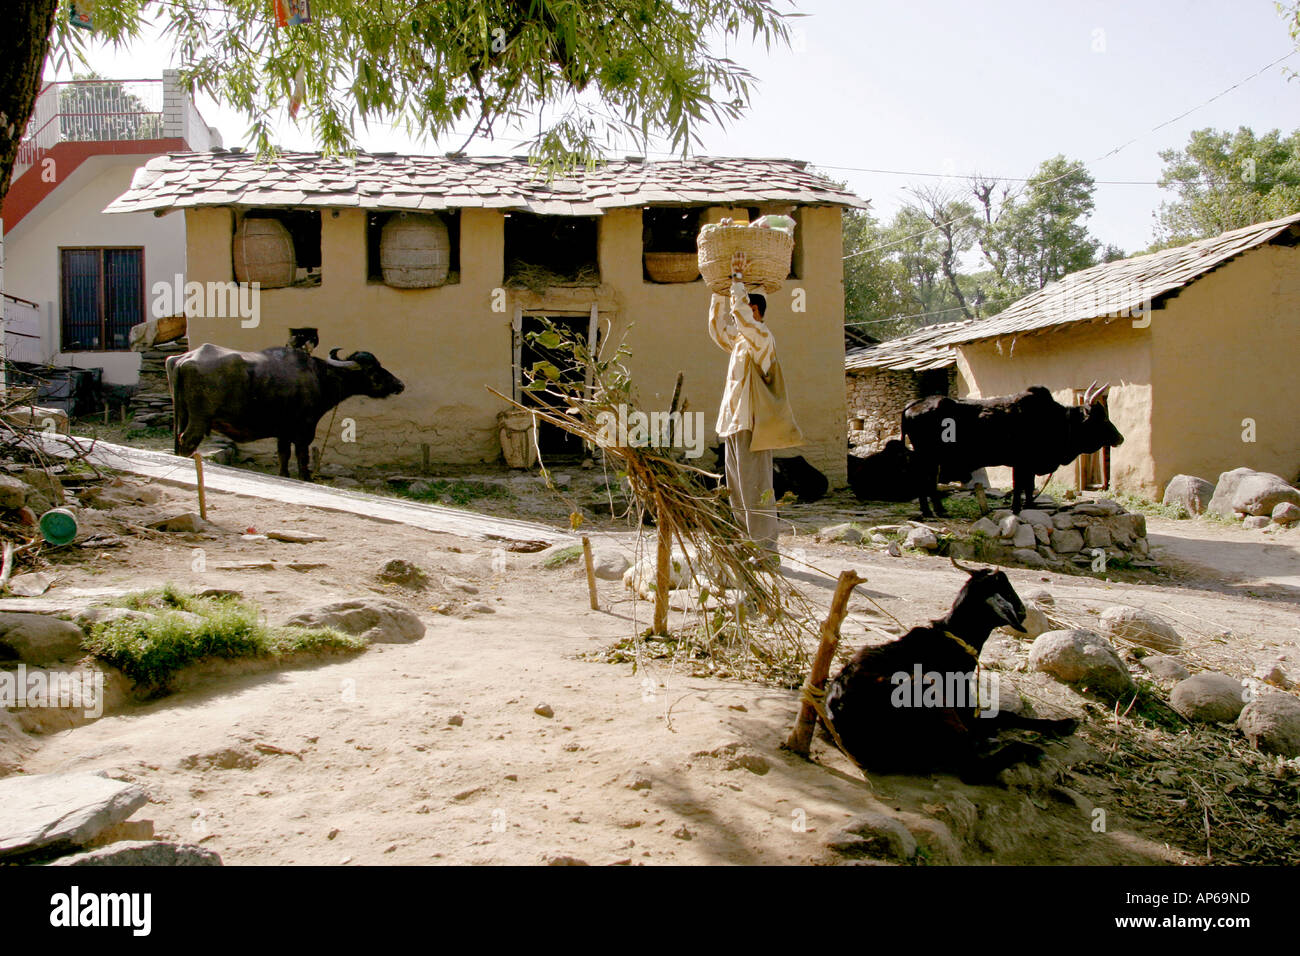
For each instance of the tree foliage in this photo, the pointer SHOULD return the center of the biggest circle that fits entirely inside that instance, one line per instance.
(1227, 180)
(584, 75)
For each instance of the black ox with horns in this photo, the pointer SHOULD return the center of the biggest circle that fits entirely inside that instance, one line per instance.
(279, 393)
(1030, 432)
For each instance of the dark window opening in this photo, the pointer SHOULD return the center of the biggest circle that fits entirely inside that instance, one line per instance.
(304, 229)
(670, 228)
(932, 381)
(552, 441)
(101, 298)
(543, 251)
(375, 231)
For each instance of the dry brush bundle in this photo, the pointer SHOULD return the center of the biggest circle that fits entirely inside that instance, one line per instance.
(740, 614)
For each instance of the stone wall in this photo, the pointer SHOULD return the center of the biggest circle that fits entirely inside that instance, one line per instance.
(876, 398)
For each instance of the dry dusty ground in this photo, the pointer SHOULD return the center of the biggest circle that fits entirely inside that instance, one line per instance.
(356, 760)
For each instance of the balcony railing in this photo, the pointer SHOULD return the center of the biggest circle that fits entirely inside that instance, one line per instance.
(81, 111)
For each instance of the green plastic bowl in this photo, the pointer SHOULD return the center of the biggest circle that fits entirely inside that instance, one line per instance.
(58, 526)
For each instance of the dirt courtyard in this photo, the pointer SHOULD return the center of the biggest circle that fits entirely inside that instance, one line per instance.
(432, 752)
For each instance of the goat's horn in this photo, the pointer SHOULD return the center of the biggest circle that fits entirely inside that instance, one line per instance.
(961, 567)
(1088, 394)
(334, 354)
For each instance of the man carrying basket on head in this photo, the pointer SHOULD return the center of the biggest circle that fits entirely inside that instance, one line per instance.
(755, 415)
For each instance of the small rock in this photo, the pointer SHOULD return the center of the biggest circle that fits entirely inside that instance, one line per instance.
(91, 616)
(143, 853)
(1067, 541)
(1037, 518)
(399, 571)
(1273, 672)
(295, 537)
(1029, 558)
(1137, 626)
(1097, 536)
(543, 710)
(1024, 537)
(1041, 596)
(478, 607)
(922, 539)
(641, 783)
(455, 720)
(219, 593)
(873, 834)
(985, 526)
(1165, 668)
(845, 533)
(682, 833)
(345, 482)
(33, 584)
(186, 522)
(39, 638)
(13, 493)
(1271, 723)
(1101, 507)
(1208, 698)
(378, 620)
(1083, 658)
(1254, 522)
(565, 861)
(1286, 514)
(893, 550)
(609, 561)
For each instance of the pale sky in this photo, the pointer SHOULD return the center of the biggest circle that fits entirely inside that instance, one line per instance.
(956, 87)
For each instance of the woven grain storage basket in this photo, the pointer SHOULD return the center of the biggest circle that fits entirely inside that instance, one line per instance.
(672, 266)
(767, 251)
(515, 428)
(263, 252)
(414, 251)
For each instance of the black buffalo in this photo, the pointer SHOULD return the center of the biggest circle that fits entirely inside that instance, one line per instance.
(279, 393)
(793, 475)
(1030, 432)
(884, 475)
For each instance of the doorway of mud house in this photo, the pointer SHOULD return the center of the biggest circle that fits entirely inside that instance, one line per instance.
(1093, 471)
(555, 444)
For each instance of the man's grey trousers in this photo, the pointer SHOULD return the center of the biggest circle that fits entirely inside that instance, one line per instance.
(749, 481)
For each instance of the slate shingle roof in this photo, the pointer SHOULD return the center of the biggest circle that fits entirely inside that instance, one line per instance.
(918, 351)
(390, 182)
(1120, 289)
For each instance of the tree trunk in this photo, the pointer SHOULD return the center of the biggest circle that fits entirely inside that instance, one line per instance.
(28, 24)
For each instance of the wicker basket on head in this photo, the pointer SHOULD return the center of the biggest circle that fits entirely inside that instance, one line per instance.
(767, 254)
(672, 266)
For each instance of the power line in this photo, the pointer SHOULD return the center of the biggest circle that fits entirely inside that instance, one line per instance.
(1080, 166)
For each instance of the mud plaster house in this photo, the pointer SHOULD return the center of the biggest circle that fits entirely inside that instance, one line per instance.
(573, 250)
(1198, 343)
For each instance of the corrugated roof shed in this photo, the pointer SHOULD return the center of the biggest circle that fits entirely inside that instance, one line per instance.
(1126, 288)
(918, 351)
(386, 181)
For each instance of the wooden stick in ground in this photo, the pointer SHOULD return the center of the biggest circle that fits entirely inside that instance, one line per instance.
(203, 503)
(7, 569)
(591, 573)
(981, 499)
(800, 738)
(663, 559)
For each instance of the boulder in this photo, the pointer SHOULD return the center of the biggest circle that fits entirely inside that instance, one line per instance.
(922, 539)
(985, 526)
(13, 493)
(377, 619)
(1208, 698)
(1190, 493)
(1035, 623)
(45, 485)
(404, 573)
(1271, 723)
(1261, 492)
(32, 584)
(143, 853)
(49, 812)
(1082, 658)
(38, 638)
(91, 616)
(1067, 541)
(1029, 558)
(1286, 513)
(1273, 672)
(875, 835)
(1024, 537)
(1063, 521)
(1165, 668)
(845, 533)
(1097, 536)
(1037, 518)
(1255, 522)
(181, 523)
(1008, 526)
(1100, 508)
(1135, 626)
(609, 561)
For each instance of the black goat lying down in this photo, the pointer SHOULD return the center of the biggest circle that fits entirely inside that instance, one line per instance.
(910, 706)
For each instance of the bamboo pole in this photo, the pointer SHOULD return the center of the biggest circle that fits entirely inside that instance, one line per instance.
(800, 738)
(663, 560)
(591, 573)
(203, 503)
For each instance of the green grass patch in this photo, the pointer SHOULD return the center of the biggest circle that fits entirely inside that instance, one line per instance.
(564, 556)
(458, 492)
(151, 431)
(183, 629)
(1146, 506)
